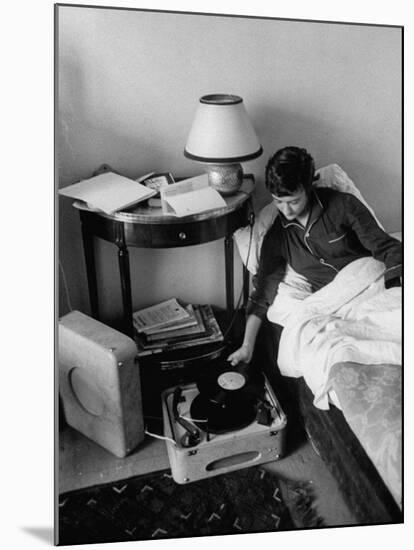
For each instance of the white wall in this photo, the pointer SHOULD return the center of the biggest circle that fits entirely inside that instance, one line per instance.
(128, 86)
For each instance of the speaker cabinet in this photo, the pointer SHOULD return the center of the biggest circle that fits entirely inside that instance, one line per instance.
(99, 383)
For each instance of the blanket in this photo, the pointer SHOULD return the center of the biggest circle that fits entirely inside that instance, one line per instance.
(353, 318)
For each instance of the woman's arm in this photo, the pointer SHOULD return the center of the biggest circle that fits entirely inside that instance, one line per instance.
(271, 270)
(272, 267)
(382, 246)
(245, 352)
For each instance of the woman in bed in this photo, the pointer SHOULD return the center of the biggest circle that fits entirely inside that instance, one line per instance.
(318, 232)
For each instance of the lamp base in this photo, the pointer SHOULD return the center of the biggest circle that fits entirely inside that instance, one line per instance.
(225, 178)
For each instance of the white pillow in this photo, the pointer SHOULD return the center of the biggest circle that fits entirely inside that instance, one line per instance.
(329, 176)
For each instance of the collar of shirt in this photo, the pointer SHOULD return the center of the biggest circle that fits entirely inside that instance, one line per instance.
(315, 212)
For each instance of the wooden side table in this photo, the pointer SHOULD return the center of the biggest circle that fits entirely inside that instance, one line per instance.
(146, 227)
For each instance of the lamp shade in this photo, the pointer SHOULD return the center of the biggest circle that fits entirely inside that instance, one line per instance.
(222, 132)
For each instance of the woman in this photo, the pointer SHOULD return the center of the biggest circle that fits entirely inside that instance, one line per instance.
(318, 232)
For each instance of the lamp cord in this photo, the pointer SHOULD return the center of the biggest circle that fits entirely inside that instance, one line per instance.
(251, 223)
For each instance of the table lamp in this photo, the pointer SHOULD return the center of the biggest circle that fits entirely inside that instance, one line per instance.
(222, 137)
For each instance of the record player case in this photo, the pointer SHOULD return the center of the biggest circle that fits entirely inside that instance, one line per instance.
(221, 453)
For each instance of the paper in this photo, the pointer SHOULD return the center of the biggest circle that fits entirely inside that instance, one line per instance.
(109, 192)
(174, 325)
(191, 196)
(159, 315)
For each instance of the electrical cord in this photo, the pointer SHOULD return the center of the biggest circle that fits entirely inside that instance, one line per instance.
(157, 436)
(65, 284)
(162, 437)
(251, 224)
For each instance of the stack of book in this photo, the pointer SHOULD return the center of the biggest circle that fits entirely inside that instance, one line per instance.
(170, 326)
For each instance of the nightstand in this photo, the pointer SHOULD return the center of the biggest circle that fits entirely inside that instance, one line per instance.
(147, 227)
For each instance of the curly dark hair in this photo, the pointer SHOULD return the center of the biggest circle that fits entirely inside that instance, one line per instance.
(289, 170)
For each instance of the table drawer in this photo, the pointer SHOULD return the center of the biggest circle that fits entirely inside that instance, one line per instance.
(184, 234)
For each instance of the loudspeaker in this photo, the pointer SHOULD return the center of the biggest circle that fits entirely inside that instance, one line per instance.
(99, 383)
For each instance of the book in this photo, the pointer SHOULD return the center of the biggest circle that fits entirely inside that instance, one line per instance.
(176, 333)
(159, 315)
(213, 334)
(108, 192)
(174, 325)
(190, 196)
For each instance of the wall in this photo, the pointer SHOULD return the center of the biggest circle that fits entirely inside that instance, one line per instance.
(128, 86)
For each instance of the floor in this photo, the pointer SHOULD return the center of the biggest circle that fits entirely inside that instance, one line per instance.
(83, 463)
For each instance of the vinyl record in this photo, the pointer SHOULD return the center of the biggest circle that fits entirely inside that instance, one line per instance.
(223, 415)
(228, 397)
(224, 380)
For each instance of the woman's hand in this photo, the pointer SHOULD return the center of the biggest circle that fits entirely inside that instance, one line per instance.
(245, 352)
(242, 355)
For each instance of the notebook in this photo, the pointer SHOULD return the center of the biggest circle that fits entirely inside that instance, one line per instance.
(108, 192)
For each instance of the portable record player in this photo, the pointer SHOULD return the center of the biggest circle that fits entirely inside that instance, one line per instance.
(229, 419)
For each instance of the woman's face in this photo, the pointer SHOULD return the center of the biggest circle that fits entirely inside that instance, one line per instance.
(292, 206)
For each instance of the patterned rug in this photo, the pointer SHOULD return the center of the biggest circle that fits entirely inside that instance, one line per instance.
(155, 507)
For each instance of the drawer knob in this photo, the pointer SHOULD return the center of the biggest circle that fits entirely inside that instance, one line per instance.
(182, 235)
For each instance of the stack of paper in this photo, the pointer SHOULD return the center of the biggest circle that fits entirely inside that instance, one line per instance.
(108, 192)
(157, 332)
(164, 314)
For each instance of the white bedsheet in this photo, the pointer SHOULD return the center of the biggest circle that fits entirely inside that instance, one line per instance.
(353, 318)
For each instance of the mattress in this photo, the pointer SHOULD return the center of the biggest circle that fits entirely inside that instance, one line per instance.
(370, 399)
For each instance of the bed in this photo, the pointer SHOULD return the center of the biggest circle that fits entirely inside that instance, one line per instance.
(359, 433)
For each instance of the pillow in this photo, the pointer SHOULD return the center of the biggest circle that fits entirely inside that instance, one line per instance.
(329, 176)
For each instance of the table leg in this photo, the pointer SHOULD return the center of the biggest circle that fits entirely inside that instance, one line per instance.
(89, 253)
(125, 274)
(229, 261)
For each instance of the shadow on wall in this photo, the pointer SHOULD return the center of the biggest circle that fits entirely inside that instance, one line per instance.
(71, 293)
